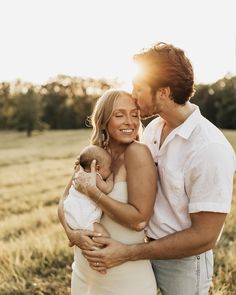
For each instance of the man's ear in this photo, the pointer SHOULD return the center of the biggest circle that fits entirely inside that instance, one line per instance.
(165, 92)
(97, 167)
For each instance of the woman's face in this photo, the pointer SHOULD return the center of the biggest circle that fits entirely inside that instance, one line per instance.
(124, 123)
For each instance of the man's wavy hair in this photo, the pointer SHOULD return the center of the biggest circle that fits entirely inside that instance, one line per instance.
(164, 65)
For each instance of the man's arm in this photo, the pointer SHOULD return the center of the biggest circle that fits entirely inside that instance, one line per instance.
(200, 237)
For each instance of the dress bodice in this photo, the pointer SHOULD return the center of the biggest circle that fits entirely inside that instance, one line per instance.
(132, 277)
(119, 192)
(116, 230)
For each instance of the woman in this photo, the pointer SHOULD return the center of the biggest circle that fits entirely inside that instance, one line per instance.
(127, 209)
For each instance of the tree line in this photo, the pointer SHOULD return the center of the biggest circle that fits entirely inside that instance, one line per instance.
(217, 102)
(62, 103)
(66, 103)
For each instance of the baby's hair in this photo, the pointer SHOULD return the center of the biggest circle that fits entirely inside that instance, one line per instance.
(91, 152)
(85, 163)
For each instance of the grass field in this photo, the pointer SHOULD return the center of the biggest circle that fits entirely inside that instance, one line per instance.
(34, 256)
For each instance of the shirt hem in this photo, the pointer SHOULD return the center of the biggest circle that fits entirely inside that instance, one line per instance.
(210, 207)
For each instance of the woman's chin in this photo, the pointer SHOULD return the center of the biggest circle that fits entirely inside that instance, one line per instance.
(129, 140)
(123, 140)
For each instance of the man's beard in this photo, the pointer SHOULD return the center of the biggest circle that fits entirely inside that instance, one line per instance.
(155, 113)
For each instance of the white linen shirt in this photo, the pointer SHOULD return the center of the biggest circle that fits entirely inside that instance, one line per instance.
(196, 165)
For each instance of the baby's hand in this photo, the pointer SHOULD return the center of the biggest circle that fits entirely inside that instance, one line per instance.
(104, 185)
(100, 183)
(110, 183)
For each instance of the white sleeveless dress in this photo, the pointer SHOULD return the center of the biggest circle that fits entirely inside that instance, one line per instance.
(133, 277)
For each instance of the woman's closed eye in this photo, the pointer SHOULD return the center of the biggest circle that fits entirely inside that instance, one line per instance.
(119, 115)
(135, 115)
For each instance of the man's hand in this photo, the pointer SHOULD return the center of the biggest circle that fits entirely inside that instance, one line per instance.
(83, 180)
(114, 253)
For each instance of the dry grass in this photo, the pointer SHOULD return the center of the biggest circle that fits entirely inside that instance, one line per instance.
(34, 257)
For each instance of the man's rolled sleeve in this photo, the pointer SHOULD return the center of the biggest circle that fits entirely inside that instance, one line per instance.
(209, 179)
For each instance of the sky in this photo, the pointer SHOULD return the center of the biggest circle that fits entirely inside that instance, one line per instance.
(97, 38)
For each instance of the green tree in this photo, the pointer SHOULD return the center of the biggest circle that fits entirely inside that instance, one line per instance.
(226, 93)
(217, 102)
(28, 112)
(7, 107)
(63, 103)
(68, 101)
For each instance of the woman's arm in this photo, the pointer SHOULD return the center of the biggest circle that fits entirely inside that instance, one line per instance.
(60, 209)
(80, 238)
(142, 186)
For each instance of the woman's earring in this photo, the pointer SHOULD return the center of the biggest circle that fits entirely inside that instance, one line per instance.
(104, 138)
(103, 135)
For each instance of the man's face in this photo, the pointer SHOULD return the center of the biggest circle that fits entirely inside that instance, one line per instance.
(144, 98)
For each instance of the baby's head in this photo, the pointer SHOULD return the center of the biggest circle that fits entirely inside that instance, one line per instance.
(102, 157)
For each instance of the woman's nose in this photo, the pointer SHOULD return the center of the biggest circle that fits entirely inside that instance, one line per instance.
(128, 120)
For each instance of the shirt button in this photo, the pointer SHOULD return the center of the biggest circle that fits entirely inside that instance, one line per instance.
(155, 142)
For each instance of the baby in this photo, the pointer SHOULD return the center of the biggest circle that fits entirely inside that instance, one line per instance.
(80, 211)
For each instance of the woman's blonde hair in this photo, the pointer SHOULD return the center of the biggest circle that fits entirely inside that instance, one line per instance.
(101, 115)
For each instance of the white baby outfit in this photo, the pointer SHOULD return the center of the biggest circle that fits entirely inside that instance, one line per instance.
(80, 211)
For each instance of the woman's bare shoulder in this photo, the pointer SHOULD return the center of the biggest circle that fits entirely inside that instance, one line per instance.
(136, 149)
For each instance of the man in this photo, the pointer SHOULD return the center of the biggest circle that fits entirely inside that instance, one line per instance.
(196, 165)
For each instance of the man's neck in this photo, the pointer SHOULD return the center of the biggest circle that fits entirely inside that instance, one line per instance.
(176, 115)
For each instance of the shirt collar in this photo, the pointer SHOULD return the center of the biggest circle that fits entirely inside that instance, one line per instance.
(187, 127)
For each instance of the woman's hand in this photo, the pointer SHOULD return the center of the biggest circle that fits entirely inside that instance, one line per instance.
(83, 239)
(77, 163)
(82, 180)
